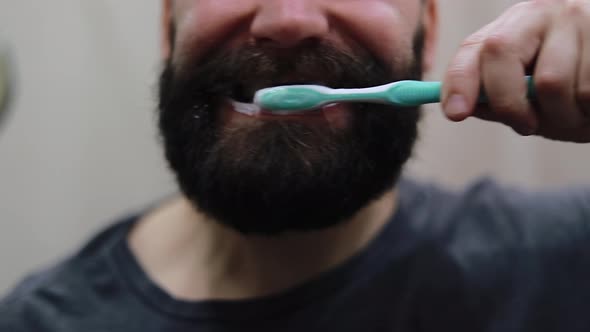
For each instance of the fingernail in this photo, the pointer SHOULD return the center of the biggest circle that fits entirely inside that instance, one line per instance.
(456, 105)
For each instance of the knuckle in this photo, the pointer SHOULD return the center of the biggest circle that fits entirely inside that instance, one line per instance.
(464, 63)
(577, 8)
(460, 72)
(550, 82)
(536, 5)
(525, 5)
(497, 44)
(473, 41)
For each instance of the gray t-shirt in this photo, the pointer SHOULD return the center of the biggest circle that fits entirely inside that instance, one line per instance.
(485, 259)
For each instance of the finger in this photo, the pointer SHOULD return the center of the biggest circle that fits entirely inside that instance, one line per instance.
(462, 79)
(503, 71)
(556, 77)
(505, 56)
(583, 85)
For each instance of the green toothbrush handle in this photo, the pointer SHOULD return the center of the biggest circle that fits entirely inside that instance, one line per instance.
(416, 93)
(531, 92)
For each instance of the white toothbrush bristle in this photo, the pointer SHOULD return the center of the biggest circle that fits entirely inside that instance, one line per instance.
(246, 108)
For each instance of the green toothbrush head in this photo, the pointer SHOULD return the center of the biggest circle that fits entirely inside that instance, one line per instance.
(292, 98)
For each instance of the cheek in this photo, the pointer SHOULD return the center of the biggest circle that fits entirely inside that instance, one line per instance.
(386, 28)
(203, 26)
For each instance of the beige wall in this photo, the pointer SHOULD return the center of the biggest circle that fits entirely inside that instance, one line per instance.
(80, 147)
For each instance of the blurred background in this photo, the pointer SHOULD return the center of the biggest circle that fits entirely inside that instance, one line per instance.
(79, 147)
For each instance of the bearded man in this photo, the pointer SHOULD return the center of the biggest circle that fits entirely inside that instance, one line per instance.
(303, 222)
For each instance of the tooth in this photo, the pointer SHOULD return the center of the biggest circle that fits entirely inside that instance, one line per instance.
(245, 108)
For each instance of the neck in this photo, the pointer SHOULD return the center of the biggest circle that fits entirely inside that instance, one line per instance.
(195, 258)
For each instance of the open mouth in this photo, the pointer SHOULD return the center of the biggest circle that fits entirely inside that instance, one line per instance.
(240, 101)
(242, 93)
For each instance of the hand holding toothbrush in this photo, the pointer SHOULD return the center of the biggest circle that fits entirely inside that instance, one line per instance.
(549, 39)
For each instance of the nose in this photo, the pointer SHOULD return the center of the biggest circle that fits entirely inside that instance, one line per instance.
(288, 23)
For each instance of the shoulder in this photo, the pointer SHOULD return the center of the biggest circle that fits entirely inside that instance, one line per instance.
(534, 239)
(487, 215)
(502, 252)
(490, 219)
(488, 230)
(49, 299)
(25, 308)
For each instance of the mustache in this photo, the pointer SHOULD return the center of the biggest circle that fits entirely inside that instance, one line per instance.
(239, 72)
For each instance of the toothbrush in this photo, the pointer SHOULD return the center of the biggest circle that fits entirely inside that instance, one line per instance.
(292, 99)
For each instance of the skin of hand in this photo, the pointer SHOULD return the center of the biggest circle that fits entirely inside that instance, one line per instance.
(549, 39)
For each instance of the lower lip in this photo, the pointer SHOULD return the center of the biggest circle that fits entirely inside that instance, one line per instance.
(292, 115)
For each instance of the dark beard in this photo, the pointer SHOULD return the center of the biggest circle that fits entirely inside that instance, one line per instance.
(279, 176)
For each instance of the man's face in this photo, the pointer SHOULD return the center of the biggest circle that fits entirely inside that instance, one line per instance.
(270, 174)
